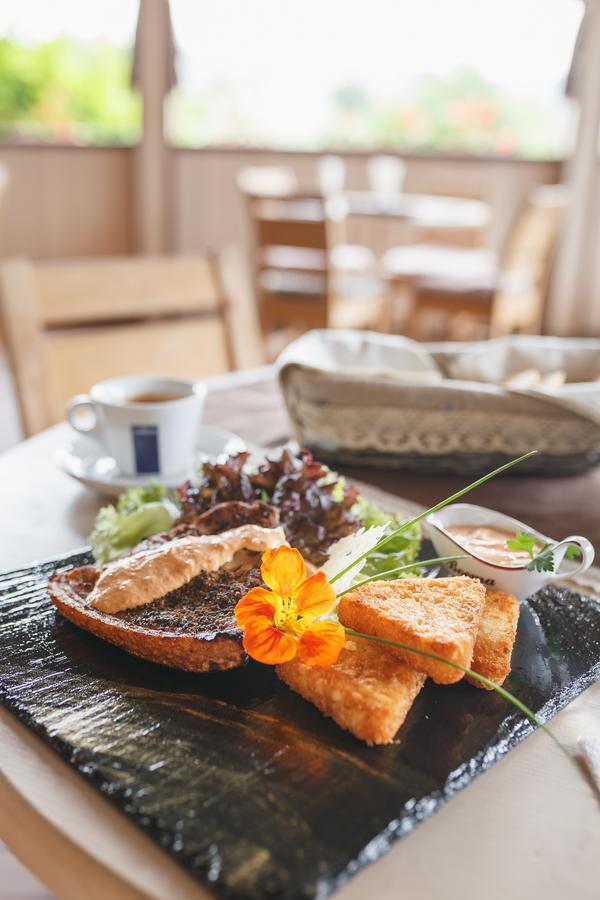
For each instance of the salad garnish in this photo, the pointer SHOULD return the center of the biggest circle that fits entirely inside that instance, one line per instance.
(542, 560)
(138, 514)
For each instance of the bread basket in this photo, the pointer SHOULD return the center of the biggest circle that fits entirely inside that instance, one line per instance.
(384, 400)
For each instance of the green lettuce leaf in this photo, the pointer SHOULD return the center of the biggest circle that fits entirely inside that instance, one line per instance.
(402, 550)
(139, 513)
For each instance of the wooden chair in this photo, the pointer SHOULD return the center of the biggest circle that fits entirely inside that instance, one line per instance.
(504, 295)
(68, 324)
(267, 181)
(304, 275)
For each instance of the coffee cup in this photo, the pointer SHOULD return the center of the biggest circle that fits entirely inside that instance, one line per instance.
(147, 424)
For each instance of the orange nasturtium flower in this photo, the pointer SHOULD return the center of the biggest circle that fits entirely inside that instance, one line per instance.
(280, 622)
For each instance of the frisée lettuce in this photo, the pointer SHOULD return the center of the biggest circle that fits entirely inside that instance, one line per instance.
(402, 550)
(139, 513)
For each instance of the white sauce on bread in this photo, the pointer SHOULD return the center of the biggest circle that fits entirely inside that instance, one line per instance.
(152, 573)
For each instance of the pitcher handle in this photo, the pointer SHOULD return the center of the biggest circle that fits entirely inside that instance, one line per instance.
(587, 553)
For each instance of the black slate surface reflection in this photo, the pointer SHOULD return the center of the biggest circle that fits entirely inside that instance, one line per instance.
(244, 783)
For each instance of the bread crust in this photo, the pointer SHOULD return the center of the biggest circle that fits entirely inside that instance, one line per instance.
(192, 653)
(368, 691)
(437, 615)
(496, 638)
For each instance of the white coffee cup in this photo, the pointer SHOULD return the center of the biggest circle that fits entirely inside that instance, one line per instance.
(147, 424)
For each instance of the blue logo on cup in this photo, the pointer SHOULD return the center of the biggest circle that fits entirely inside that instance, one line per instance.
(145, 448)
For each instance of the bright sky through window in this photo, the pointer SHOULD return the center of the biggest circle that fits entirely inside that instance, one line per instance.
(306, 74)
(37, 21)
(481, 76)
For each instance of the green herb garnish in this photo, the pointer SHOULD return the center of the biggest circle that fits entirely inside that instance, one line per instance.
(523, 541)
(409, 523)
(543, 560)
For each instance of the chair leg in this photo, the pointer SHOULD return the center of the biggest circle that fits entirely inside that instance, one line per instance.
(413, 325)
(401, 307)
(385, 321)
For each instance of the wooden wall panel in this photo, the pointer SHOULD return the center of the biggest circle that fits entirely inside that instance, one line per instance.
(210, 211)
(66, 201)
(77, 201)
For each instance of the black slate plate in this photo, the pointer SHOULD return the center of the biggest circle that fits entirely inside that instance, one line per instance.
(244, 783)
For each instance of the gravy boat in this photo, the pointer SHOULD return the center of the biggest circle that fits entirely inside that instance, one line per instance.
(514, 579)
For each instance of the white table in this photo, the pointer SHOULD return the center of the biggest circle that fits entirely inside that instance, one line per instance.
(529, 828)
(421, 210)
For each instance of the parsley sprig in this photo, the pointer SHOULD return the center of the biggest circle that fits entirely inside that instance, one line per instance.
(542, 560)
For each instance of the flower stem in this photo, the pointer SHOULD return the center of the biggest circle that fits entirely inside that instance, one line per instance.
(414, 565)
(410, 522)
(481, 678)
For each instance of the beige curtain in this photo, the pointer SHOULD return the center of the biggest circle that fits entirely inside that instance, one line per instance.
(574, 306)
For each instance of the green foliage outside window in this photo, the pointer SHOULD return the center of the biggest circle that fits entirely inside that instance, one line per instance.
(461, 113)
(67, 92)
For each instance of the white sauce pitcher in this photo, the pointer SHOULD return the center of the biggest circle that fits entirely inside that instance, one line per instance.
(514, 579)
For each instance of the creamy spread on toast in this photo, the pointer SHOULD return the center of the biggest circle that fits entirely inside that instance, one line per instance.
(155, 571)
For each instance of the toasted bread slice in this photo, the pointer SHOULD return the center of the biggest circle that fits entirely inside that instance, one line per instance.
(368, 691)
(495, 638)
(191, 628)
(438, 615)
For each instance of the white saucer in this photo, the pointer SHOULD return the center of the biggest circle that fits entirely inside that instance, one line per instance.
(85, 459)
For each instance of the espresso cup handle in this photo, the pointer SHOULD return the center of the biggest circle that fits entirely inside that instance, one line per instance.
(82, 401)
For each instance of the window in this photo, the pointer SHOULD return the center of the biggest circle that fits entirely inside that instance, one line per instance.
(478, 76)
(65, 69)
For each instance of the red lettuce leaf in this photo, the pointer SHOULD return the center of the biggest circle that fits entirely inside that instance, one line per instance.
(300, 488)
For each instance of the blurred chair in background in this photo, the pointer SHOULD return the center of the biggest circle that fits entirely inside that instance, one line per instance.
(386, 174)
(267, 181)
(473, 234)
(331, 174)
(70, 323)
(472, 287)
(305, 276)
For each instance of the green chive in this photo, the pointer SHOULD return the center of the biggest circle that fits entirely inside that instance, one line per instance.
(414, 565)
(410, 522)
(481, 678)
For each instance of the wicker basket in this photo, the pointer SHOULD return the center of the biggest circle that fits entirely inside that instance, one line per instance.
(367, 416)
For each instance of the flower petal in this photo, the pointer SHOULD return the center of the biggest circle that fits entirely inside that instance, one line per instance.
(283, 570)
(315, 598)
(266, 644)
(256, 603)
(321, 644)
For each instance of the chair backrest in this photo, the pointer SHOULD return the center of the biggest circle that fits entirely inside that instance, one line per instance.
(518, 304)
(296, 222)
(70, 323)
(281, 215)
(267, 181)
(289, 235)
